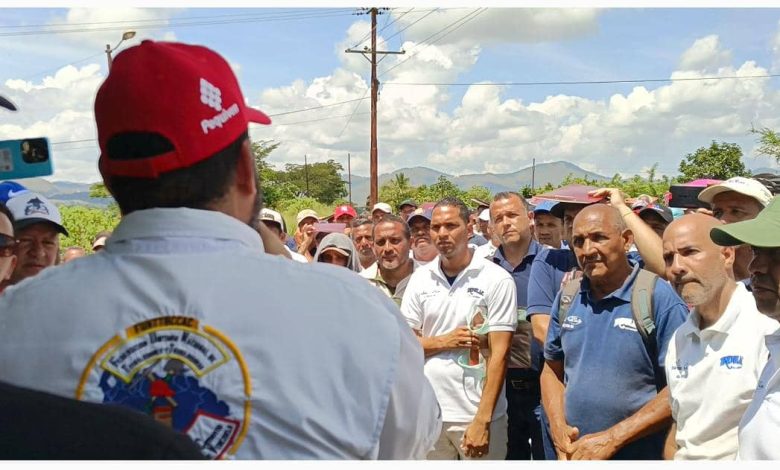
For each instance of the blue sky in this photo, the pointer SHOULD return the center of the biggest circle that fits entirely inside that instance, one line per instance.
(292, 65)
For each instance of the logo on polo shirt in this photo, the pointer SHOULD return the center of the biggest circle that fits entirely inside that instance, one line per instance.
(474, 292)
(571, 322)
(167, 367)
(625, 324)
(680, 371)
(731, 362)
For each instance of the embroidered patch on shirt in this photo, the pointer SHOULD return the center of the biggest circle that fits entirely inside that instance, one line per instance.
(731, 362)
(571, 322)
(680, 371)
(625, 324)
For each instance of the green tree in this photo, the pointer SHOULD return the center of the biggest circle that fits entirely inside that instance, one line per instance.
(324, 180)
(83, 223)
(477, 192)
(439, 190)
(397, 190)
(275, 189)
(99, 190)
(719, 161)
(769, 142)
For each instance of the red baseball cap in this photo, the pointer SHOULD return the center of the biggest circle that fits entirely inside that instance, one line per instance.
(345, 209)
(186, 93)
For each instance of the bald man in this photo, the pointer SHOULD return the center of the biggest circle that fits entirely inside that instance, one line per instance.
(607, 402)
(719, 348)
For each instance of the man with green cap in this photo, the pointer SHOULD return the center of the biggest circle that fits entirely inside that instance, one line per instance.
(759, 425)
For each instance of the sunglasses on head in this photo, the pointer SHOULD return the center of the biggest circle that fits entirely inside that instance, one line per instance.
(7, 245)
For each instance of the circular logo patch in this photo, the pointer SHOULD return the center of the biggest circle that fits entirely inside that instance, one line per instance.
(186, 375)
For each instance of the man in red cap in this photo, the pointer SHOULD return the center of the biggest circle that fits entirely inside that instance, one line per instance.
(180, 279)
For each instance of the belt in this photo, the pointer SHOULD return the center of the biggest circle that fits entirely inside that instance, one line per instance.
(524, 384)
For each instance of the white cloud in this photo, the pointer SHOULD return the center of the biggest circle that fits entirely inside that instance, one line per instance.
(705, 54)
(498, 25)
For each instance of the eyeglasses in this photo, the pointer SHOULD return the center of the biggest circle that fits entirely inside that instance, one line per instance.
(7, 245)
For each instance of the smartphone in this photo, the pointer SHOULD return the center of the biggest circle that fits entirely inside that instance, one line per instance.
(686, 197)
(329, 227)
(25, 158)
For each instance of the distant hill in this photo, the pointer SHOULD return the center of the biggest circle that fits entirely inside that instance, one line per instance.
(553, 173)
(64, 192)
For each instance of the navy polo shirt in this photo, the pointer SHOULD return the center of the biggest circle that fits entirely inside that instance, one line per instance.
(608, 372)
(547, 271)
(523, 336)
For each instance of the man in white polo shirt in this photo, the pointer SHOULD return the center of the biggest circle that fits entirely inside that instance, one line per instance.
(444, 302)
(714, 362)
(760, 425)
(192, 323)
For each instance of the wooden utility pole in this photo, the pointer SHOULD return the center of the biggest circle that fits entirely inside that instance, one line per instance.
(533, 175)
(349, 176)
(374, 192)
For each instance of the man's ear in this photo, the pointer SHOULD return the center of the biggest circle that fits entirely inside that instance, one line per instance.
(729, 254)
(246, 172)
(628, 239)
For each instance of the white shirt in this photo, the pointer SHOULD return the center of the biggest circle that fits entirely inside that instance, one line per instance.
(486, 251)
(435, 308)
(759, 427)
(296, 256)
(182, 314)
(712, 374)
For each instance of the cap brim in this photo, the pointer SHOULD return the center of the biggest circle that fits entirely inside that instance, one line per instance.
(756, 232)
(336, 249)
(667, 216)
(255, 115)
(22, 224)
(414, 216)
(708, 194)
(5, 103)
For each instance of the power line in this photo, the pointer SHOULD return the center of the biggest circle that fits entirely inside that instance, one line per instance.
(410, 25)
(352, 115)
(463, 20)
(317, 107)
(585, 82)
(172, 25)
(318, 120)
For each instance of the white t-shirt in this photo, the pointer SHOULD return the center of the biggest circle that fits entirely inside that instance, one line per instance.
(760, 424)
(435, 308)
(184, 317)
(712, 374)
(486, 251)
(296, 256)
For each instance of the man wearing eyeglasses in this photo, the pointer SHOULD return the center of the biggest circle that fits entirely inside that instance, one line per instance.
(7, 245)
(38, 225)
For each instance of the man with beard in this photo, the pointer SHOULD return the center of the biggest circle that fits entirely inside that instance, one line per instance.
(393, 266)
(447, 303)
(607, 402)
(719, 347)
(759, 425)
(423, 249)
(184, 278)
(363, 237)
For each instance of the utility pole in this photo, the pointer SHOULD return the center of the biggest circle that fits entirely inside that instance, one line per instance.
(374, 95)
(533, 174)
(349, 176)
(306, 172)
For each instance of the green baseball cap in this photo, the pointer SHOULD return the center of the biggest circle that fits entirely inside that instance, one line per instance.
(763, 231)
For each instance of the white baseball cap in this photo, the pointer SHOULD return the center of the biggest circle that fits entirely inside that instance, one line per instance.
(272, 216)
(484, 216)
(747, 186)
(30, 208)
(382, 206)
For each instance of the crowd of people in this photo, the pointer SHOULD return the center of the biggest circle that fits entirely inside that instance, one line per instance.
(555, 328)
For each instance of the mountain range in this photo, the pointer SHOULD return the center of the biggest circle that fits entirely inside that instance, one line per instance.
(67, 192)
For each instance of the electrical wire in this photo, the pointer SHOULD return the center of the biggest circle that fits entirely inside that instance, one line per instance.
(463, 20)
(591, 82)
(317, 107)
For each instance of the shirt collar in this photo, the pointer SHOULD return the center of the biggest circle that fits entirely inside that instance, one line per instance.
(476, 264)
(623, 292)
(184, 223)
(738, 298)
(533, 249)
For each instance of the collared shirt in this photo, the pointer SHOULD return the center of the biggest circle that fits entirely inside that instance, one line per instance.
(486, 251)
(374, 276)
(434, 307)
(728, 356)
(760, 423)
(608, 373)
(184, 317)
(525, 353)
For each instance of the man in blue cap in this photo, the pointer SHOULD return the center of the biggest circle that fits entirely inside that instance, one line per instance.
(547, 228)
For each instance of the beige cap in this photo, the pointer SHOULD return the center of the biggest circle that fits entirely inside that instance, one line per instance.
(747, 186)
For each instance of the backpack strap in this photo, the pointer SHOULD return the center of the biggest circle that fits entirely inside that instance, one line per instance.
(569, 289)
(644, 317)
